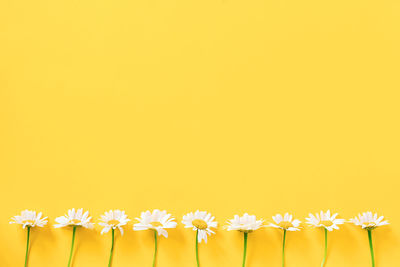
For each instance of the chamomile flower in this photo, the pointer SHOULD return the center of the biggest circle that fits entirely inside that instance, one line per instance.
(328, 222)
(201, 222)
(369, 222)
(156, 220)
(75, 219)
(29, 218)
(285, 222)
(245, 224)
(113, 219)
(325, 220)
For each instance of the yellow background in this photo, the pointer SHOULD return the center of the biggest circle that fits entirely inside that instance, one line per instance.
(224, 105)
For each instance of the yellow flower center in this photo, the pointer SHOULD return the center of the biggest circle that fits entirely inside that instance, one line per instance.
(199, 224)
(28, 222)
(113, 222)
(74, 221)
(326, 223)
(370, 225)
(156, 224)
(285, 225)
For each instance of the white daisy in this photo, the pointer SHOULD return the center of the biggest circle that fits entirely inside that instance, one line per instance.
(156, 220)
(29, 218)
(285, 222)
(247, 223)
(369, 221)
(113, 219)
(75, 218)
(202, 222)
(325, 220)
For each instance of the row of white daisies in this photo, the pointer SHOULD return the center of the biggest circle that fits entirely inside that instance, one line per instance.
(200, 221)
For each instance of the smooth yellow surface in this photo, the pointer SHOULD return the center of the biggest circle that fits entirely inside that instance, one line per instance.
(224, 105)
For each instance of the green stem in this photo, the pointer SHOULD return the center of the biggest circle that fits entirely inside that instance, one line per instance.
(155, 248)
(283, 248)
(27, 245)
(197, 248)
(112, 246)
(371, 247)
(326, 248)
(72, 246)
(244, 248)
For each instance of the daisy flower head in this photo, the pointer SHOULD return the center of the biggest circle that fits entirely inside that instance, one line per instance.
(369, 221)
(156, 220)
(29, 218)
(113, 219)
(75, 218)
(200, 221)
(285, 222)
(324, 220)
(246, 223)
